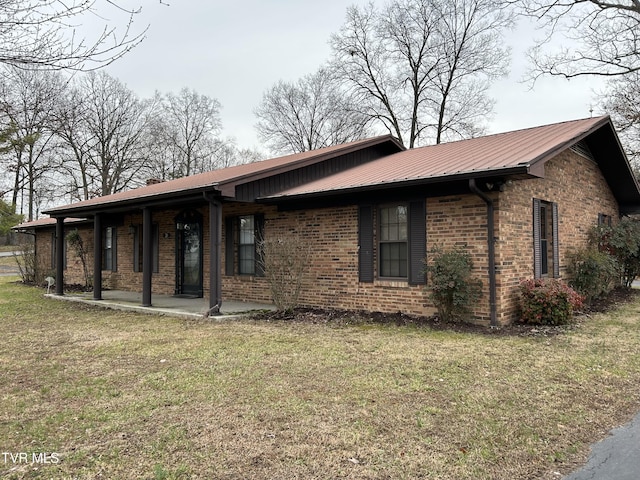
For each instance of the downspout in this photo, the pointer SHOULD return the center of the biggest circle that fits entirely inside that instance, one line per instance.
(491, 245)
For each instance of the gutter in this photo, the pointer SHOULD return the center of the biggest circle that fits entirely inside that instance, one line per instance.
(491, 245)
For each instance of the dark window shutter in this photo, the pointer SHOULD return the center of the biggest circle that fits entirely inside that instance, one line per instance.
(556, 243)
(114, 245)
(365, 243)
(156, 248)
(537, 253)
(417, 242)
(53, 250)
(137, 261)
(228, 246)
(258, 225)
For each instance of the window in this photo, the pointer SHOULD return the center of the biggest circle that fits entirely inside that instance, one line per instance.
(545, 239)
(138, 250)
(393, 241)
(242, 252)
(109, 249)
(246, 245)
(399, 242)
(604, 220)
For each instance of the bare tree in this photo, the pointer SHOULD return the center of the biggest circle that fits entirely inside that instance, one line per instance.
(29, 98)
(187, 130)
(584, 37)
(593, 37)
(69, 124)
(227, 154)
(620, 100)
(309, 114)
(103, 123)
(248, 155)
(172, 155)
(46, 33)
(472, 56)
(421, 68)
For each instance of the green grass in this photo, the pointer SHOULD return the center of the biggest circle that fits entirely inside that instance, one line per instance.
(121, 395)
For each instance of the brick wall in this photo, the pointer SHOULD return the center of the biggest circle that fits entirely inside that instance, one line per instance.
(461, 222)
(577, 185)
(44, 252)
(331, 280)
(164, 280)
(74, 274)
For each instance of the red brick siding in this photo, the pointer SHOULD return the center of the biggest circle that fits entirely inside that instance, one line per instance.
(461, 221)
(331, 280)
(577, 185)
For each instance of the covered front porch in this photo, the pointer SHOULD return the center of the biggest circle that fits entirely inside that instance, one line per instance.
(169, 305)
(183, 240)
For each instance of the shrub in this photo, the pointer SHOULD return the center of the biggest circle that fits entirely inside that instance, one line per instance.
(623, 242)
(27, 264)
(548, 302)
(593, 273)
(453, 290)
(75, 241)
(284, 261)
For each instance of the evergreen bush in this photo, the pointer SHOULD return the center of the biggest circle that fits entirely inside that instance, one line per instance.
(593, 273)
(622, 241)
(452, 289)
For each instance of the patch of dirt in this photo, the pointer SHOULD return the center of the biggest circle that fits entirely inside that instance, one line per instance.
(335, 317)
(617, 297)
(338, 318)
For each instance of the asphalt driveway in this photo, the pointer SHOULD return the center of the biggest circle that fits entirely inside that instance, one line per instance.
(617, 457)
(8, 270)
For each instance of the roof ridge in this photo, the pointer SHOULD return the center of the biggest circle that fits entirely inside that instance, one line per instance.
(519, 130)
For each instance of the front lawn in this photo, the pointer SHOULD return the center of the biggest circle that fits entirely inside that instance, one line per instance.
(92, 393)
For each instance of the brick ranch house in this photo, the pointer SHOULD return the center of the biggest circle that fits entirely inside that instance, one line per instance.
(370, 210)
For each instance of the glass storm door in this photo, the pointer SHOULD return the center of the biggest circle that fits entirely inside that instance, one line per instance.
(189, 254)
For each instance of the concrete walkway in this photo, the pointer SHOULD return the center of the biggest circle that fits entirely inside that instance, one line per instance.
(617, 457)
(165, 304)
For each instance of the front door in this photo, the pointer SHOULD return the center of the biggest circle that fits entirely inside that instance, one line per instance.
(189, 254)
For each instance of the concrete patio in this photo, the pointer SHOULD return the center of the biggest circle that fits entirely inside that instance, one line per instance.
(165, 304)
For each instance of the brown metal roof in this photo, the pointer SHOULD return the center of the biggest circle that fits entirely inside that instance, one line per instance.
(521, 152)
(513, 152)
(217, 180)
(45, 222)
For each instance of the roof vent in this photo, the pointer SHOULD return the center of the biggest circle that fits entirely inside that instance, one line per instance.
(581, 148)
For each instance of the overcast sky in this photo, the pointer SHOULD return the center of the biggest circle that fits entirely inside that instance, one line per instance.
(234, 51)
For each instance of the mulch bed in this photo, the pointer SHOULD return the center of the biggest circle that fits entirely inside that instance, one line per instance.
(336, 317)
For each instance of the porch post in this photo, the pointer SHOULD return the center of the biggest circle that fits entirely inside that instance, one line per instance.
(60, 256)
(147, 256)
(215, 255)
(97, 256)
